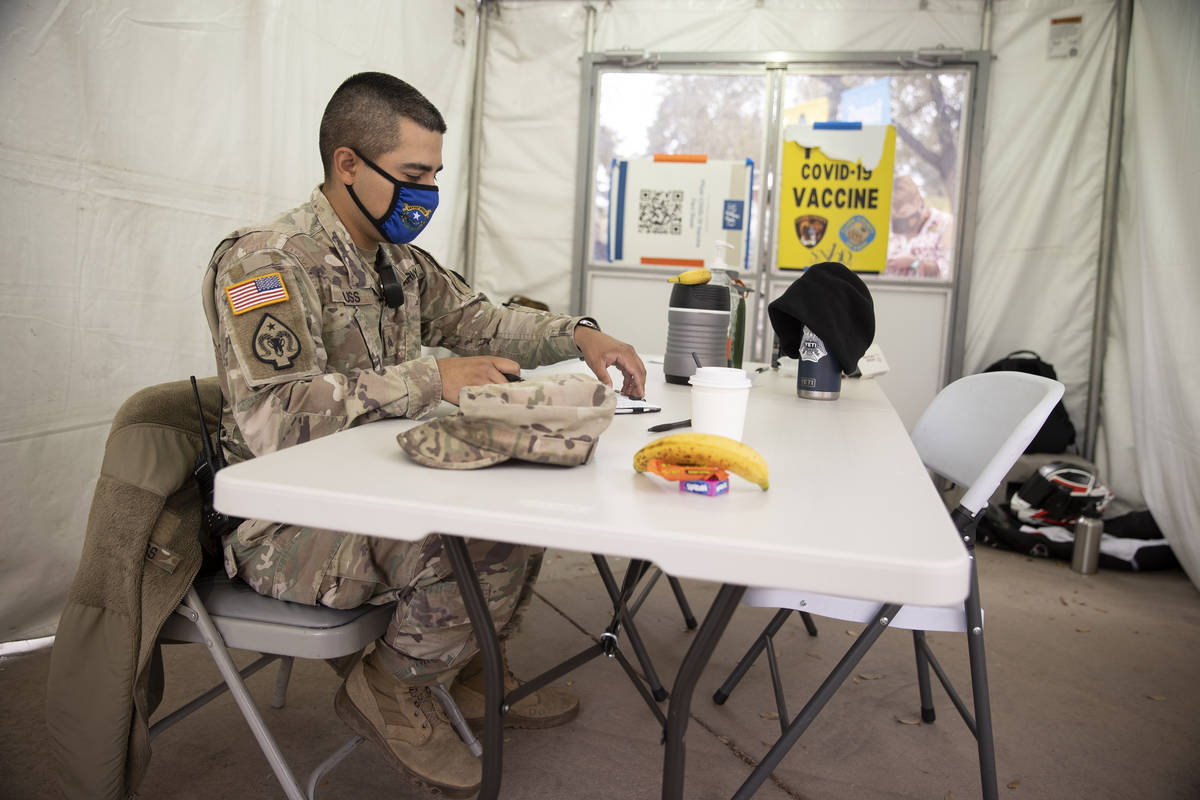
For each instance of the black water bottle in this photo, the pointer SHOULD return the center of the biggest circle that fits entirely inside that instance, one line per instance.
(697, 322)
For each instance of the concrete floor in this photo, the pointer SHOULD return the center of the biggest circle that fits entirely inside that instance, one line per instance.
(1093, 689)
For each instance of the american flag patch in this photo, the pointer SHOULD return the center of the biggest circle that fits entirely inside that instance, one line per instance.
(256, 293)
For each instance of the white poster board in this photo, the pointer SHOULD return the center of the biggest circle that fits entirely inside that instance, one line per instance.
(682, 211)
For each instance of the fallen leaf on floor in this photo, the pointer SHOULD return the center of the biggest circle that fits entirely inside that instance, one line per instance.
(1062, 599)
(871, 676)
(570, 683)
(1101, 610)
(949, 796)
(851, 633)
(1157, 696)
(723, 739)
(906, 721)
(1013, 784)
(507, 739)
(1084, 630)
(768, 715)
(855, 680)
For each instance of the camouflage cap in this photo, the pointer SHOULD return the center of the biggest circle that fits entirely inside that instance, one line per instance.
(553, 420)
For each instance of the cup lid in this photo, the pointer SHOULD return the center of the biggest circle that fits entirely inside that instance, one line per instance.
(720, 377)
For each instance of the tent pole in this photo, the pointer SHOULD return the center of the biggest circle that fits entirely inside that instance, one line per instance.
(985, 29)
(1108, 227)
(476, 140)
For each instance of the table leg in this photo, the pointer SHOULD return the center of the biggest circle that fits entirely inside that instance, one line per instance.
(697, 656)
(493, 669)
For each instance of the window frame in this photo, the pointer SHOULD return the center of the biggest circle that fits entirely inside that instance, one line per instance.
(775, 66)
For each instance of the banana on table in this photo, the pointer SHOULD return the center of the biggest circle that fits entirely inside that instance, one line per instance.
(704, 450)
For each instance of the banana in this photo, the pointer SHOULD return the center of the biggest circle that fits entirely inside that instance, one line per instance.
(696, 449)
(692, 277)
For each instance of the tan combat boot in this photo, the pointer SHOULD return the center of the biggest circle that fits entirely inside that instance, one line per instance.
(408, 724)
(545, 708)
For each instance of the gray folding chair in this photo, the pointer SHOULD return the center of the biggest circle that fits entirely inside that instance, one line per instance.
(221, 613)
(972, 433)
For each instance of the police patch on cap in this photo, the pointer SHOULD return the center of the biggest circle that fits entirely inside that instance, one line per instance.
(552, 420)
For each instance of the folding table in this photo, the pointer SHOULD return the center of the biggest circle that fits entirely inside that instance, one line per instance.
(850, 511)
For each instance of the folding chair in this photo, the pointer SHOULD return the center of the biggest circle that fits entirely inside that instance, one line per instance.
(972, 433)
(221, 613)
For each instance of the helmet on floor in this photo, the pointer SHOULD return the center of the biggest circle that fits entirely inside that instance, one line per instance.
(1058, 493)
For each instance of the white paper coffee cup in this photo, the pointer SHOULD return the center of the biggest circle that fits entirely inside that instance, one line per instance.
(719, 399)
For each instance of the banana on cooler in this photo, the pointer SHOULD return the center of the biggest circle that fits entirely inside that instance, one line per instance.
(692, 277)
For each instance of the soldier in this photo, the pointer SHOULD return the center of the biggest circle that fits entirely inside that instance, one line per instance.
(318, 320)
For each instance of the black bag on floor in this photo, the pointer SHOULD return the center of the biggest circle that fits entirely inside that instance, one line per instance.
(1057, 434)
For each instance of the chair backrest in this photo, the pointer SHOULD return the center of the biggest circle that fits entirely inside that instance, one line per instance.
(977, 427)
(155, 435)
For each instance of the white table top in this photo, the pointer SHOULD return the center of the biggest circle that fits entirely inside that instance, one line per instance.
(850, 511)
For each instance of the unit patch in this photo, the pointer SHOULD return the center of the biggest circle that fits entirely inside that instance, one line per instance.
(274, 343)
(256, 293)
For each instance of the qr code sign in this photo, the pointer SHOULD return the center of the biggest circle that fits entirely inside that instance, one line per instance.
(660, 212)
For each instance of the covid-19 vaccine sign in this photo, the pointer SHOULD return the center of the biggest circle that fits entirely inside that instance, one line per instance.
(835, 195)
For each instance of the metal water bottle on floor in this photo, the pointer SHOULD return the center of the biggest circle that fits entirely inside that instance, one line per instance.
(697, 322)
(1085, 557)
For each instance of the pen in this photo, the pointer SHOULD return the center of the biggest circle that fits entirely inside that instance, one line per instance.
(668, 426)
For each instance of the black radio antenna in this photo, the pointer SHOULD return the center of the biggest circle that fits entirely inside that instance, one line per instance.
(205, 442)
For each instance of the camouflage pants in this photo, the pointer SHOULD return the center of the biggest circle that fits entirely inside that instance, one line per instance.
(430, 632)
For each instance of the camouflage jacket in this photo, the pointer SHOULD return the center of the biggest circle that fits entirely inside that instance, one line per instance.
(306, 346)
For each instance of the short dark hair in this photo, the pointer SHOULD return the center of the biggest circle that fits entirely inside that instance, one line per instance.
(363, 113)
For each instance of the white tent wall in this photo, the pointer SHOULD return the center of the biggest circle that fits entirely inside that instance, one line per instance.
(1150, 435)
(532, 84)
(1037, 243)
(136, 134)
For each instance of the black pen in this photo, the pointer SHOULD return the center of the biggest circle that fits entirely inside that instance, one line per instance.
(669, 426)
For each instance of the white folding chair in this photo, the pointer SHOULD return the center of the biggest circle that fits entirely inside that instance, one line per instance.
(972, 433)
(221, 613)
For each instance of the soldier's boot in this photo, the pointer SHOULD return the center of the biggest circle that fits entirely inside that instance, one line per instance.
(408, 724)
(545, 708)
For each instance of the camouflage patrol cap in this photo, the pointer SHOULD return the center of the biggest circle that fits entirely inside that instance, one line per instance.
(552, 420)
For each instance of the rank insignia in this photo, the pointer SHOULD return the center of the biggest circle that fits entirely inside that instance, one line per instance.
(256, 293)
(274, 343)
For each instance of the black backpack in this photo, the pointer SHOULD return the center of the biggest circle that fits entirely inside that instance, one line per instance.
(1057, 434)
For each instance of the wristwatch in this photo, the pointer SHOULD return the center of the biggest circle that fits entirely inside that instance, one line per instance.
(588, 322)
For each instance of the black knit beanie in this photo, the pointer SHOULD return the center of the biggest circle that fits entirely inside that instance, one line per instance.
(835, 304)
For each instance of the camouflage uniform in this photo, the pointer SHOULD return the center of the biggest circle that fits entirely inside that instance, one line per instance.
(306, 346)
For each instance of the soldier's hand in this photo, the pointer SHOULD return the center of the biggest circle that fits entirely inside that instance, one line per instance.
(602, 351)
(473, 371)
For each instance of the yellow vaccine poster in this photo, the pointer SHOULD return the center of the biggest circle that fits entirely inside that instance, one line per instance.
(835, 195)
